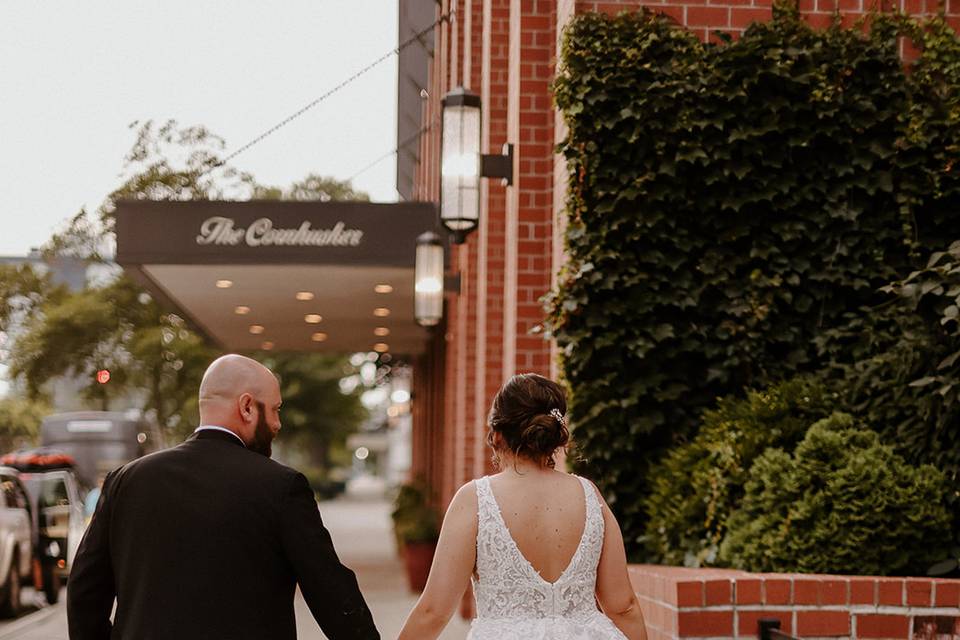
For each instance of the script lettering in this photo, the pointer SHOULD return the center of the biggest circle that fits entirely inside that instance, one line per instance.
(261, 233)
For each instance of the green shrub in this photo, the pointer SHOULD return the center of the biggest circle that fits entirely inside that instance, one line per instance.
(414, 519)
(698, 484)
(727, 206)
(842, 503)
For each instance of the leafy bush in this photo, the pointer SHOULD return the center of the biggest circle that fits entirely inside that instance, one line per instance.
(699, 484)
(414, 520)
(728, 205)
(843, 503)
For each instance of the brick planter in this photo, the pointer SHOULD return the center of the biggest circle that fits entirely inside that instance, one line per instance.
(720, 603)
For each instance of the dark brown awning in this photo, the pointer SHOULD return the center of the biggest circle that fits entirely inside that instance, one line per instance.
(232, 267)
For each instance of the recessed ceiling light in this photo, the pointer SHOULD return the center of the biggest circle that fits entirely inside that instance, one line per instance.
(380, 347)
(381, 331)
(257, 329)
(381, 312)
(241, 310)
(224, 284)
(267, 346)
(312, 318)
(319, 336)
(383, 288)
(304, 295)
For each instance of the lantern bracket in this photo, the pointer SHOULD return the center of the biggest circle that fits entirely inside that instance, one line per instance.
(451, 283)
(494, 165)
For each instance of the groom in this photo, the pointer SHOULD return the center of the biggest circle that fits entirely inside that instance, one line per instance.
(210, 539)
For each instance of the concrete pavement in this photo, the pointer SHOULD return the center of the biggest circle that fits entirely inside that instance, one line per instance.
(361, 532)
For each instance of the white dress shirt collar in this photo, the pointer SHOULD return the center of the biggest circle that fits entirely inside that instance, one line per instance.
(212, 427)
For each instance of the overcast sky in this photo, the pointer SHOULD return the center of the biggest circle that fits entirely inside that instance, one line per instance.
(74, 75)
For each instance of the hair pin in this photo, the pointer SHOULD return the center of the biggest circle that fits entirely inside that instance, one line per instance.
(559, 416)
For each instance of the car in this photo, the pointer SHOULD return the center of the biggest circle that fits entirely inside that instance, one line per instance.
(56, 504)
(16, 541)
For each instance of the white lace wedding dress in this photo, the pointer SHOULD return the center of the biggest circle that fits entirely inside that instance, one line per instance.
(514, 602)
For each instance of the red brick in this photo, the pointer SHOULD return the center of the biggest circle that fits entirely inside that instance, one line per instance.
(745, 17)
(875, 625)
(717, 592)
(713, 17)
(805, 591)
(826, 6)
(777, 591)
(818, 20)
(823, 623)
(946, 594)
(677, 13)
(689, 594)
(890, 592)
(747, 621)
(748, 591)
(833, 592)
(863, 591)
(705, 624)
(919, 593)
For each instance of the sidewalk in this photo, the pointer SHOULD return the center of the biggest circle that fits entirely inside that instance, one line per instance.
(361, 530)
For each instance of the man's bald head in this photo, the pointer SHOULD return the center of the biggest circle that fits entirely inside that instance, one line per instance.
(238, 392)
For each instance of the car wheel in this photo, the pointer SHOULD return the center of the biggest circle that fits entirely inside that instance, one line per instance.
(11, 590)
(51, 585)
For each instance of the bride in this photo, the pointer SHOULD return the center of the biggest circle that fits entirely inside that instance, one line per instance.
(541, 546)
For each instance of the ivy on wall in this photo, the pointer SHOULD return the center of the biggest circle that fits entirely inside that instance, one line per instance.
(729, 206)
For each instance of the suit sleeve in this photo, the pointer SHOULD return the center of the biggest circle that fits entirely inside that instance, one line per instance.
(329, 588)
(92, 588)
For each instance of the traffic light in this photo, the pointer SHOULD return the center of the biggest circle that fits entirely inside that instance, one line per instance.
(103, 376)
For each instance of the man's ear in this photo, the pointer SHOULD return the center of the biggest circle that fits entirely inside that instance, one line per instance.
(245, 405)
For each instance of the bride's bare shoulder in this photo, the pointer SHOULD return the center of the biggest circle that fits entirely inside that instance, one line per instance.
(465, 498)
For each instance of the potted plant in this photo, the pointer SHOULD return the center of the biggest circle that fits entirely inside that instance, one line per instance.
(416, 531)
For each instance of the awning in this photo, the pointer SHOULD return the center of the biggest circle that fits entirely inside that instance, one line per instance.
(289, 276)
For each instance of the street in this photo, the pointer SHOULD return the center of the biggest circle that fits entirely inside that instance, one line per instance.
(360, 527)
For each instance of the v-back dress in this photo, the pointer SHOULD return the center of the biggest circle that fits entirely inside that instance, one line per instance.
(514, 602)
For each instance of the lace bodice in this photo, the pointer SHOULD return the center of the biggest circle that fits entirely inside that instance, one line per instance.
(507, 585)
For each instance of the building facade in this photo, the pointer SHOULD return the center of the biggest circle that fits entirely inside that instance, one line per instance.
(506, 51)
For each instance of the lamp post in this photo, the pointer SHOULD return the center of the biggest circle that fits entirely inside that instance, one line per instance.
(428, 273)
(462, 164)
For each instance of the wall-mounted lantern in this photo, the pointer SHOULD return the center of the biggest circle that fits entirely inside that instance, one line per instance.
(462, 165)
(428, 274)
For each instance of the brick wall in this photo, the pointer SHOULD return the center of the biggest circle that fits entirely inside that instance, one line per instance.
(507, 51)
(718, 603)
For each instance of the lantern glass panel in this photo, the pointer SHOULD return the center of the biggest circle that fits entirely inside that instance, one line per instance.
(460, 173)
(428, 298)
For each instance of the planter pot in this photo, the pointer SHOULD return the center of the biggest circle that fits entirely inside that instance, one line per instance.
(417, 558)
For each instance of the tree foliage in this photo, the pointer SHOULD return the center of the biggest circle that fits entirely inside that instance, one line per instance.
(842, 503)
(699, 484)
(20, 423)
(154, 356)
(728, 206)
(316, 414)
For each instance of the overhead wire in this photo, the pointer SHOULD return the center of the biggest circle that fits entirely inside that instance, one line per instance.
(395, 51)
(400, 147)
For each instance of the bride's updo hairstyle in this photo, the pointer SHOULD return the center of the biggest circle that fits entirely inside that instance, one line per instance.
(529, 415)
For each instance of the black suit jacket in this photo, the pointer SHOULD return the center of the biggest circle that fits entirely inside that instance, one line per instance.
(208, 541)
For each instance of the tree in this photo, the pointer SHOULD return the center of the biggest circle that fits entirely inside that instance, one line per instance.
(317, 415)
(20, 422)
(312, 188)
(155, 359)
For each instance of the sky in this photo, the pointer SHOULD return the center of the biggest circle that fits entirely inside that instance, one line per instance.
(74, 75)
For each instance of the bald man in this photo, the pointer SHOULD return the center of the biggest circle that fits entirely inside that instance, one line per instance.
(209, 540)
